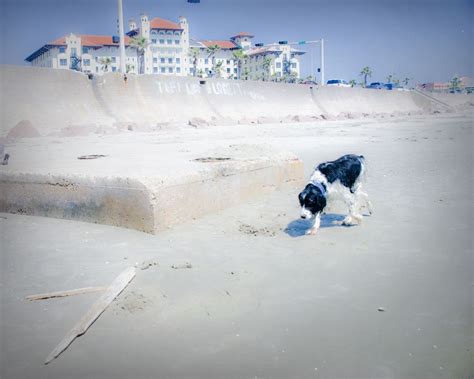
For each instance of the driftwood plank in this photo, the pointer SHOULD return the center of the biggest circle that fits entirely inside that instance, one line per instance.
(117, 286)
(77, 291)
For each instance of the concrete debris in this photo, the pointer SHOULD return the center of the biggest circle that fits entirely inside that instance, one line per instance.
(147, 264)
(24, 129)
(182, 265)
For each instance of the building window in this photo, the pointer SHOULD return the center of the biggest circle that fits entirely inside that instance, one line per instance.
(96, 69)
(228, 70)
(278, 65)
(235, 70)
(170, 70)
(162, 60)
(62, 49)
(178, 60)
(73, 51)
(114, 59)
(153, 40)
(178, 70)
(206, 61)
(63, 62)
(86, 62)
(228, 61)
(114, 68)
(162, 41)
(85, 50)
(155, 69)
(169, 41)
(176, 33)
(176, 41)
(155, 60)
(293, 65)
(170, 60)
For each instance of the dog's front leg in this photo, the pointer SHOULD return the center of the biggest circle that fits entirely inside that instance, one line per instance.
(316, 224)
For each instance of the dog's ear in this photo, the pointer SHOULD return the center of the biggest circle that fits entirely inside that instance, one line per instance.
(301, 197)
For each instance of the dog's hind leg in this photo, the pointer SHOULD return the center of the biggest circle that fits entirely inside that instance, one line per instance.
(353, 218)
(363, 195)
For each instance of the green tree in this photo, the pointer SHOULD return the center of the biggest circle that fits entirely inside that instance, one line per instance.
(217, 69)
(366, 73)
(140, 44)
(211, 53)
(353, 83)
(267, 63)
(239, 55)
(405, 81)
(194, 55)
(105, 62)
(129, 67)
(455, 83)
(245, 73)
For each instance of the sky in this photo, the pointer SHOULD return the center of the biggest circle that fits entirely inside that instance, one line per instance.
(424, 40)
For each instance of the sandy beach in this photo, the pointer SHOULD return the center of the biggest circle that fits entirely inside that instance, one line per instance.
(391, 298)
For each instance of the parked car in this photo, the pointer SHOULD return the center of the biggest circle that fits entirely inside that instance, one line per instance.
(376, 85)
(337, 83)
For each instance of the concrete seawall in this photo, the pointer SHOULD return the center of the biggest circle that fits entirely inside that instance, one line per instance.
(56, 99)
(142, 181)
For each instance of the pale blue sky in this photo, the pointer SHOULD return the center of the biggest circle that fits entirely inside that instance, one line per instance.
(428, 40)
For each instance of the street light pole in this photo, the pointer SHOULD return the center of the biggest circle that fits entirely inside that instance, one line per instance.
(121, 37)
(322, 62)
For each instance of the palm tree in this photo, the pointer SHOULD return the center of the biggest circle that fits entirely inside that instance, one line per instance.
(105, 62)
(140, 43)
(353, 83)
(194, 54)
(405, 81)
(129, 67)
(366, 72)
(217, 69)
(239, 55)
(211, 53)
(455, 83)
(200, 73)
(267, 62)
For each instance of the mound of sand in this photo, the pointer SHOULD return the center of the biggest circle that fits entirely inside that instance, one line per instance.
(24, 129)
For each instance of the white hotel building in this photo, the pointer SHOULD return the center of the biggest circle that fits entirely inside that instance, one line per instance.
(167, 52)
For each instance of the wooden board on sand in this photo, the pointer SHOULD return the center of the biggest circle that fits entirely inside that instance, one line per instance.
(117, 286)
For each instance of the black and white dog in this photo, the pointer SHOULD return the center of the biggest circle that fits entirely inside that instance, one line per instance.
(331, 181)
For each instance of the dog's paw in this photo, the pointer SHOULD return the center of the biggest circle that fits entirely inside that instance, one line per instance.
(352, 220)
(311, 232)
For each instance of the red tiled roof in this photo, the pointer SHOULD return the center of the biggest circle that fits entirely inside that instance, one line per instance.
(159, 23)
(243, 34)
(91, 40)
(221, 44)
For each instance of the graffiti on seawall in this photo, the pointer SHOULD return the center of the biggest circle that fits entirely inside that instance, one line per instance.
(210, 88)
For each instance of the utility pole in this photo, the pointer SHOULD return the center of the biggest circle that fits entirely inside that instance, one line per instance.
(121, 37)
(322, 62)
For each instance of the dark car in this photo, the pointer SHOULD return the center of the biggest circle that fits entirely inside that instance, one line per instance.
(376, 85)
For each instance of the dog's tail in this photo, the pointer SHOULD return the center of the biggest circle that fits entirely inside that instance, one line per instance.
(363, 169)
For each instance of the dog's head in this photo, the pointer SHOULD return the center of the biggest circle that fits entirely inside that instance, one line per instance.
(312, 201)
